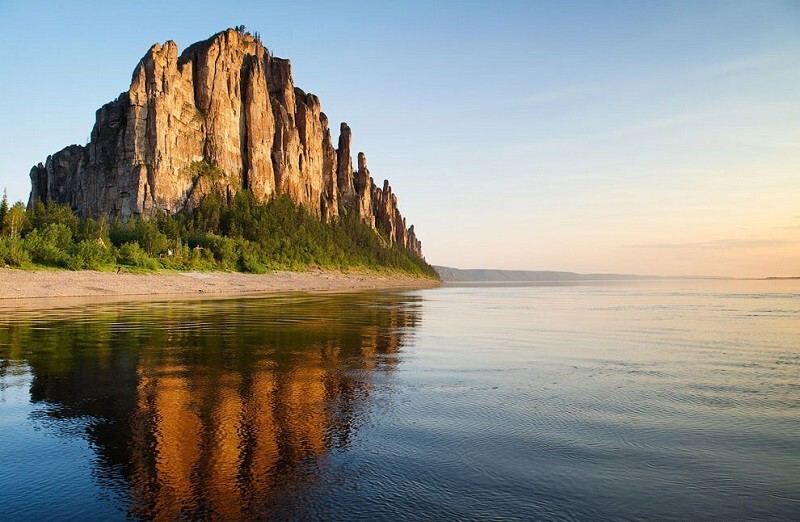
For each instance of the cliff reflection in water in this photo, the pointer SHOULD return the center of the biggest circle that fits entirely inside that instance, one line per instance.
(219, 408)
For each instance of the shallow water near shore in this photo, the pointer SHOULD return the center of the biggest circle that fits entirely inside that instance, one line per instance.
(620, 400)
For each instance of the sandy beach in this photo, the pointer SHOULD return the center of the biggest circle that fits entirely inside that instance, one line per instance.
(48, 284)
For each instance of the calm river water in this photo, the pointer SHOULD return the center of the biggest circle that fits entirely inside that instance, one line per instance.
(668, 400)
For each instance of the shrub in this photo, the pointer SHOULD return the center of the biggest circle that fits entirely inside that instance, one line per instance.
(132, 254)
(221, 250)
(13, 253)
(249, 259)
(204, 169)
(49, 245)
(89, 254)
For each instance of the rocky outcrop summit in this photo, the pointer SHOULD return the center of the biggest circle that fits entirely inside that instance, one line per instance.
(222, 116)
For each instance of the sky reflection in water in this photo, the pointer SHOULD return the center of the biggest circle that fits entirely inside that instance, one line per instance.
(669, 399)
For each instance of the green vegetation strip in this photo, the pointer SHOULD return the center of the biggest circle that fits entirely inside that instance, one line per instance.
(239, 234)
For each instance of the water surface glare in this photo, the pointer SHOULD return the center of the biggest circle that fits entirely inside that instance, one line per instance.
(668, 400)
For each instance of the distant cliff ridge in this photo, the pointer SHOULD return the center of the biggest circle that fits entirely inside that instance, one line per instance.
(476, 275)
(222, 116)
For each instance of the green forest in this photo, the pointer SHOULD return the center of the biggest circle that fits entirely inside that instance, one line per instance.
(235, 234)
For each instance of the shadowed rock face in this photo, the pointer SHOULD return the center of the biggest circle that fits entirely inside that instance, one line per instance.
(222, 116)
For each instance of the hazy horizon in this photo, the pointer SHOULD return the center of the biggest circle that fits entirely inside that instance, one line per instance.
(616, 137)
(644, 275)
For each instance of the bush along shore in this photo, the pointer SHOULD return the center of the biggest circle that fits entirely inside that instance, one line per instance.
(235, 234)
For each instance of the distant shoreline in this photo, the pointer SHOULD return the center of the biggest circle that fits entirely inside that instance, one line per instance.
(17, 285)
(492, 275)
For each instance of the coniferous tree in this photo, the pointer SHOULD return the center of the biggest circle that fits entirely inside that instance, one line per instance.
(3, 210)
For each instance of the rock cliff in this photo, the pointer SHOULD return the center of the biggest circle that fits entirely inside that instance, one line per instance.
(222, 116)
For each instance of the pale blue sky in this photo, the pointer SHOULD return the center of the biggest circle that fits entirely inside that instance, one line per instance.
(645, 137)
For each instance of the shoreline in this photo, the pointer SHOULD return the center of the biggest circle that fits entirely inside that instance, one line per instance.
(46, 285)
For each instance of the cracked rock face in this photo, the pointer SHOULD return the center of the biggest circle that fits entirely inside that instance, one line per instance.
(223, 115)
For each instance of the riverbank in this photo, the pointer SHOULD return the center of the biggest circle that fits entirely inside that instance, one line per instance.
(48, 284)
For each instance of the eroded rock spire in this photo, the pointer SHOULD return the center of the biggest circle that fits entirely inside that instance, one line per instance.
(223, 115)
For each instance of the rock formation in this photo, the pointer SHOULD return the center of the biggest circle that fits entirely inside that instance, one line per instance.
(222, 116)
